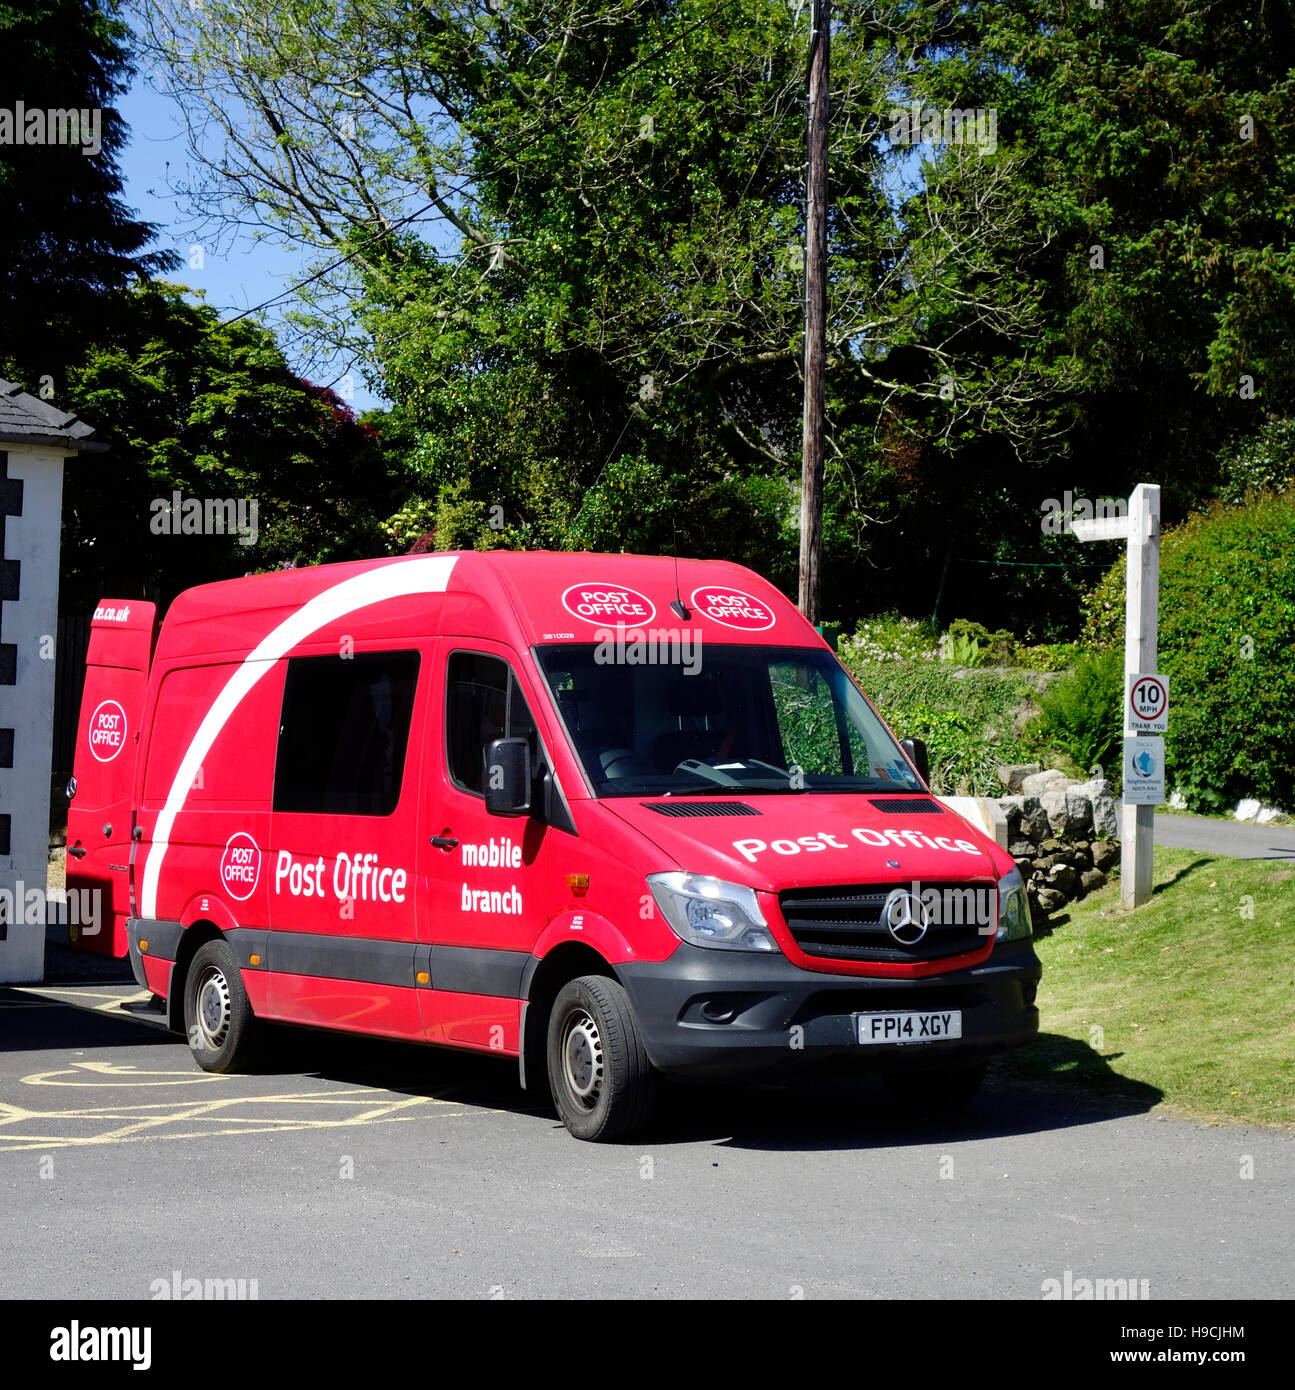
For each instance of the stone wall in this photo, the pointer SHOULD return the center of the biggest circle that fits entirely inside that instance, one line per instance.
(1061, 833)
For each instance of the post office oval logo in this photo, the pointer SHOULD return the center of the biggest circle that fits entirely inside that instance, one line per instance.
(608, 605)
(733, 608)
(240, 866)
(107, 732)
(906, 917)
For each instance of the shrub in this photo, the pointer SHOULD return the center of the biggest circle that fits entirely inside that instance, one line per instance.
(961, 650)
(1227, 643)
(1082, 710)
(967, 718)
(961, 763)
(1104, 607)
(1262, 462)
(889, 637)
(999, 647)
(1050, 656)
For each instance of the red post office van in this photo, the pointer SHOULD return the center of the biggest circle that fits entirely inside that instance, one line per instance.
(615, 816)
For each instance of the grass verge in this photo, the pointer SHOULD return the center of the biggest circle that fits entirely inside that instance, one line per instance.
(1193, 994)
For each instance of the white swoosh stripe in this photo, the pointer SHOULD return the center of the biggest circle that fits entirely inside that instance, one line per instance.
(426, 575)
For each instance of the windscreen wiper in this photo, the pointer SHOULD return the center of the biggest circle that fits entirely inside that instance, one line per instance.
(738, 789)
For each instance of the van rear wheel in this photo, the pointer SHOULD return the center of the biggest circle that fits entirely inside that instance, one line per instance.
(603, 1085)
(218, 1018)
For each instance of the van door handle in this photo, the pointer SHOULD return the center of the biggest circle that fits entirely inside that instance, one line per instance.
(76, 852)
(443, 842)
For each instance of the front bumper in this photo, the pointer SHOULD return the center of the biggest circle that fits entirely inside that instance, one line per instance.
(708, 1014)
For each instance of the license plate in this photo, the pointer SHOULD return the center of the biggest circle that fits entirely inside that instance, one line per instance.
(909, 1027)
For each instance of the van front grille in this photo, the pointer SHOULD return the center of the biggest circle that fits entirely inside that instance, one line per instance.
(845, 923)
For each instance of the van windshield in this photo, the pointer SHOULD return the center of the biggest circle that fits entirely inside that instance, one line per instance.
(754, 719)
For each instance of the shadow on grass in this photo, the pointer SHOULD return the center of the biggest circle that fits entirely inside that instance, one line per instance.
(1066, 1067)
(1182, 874)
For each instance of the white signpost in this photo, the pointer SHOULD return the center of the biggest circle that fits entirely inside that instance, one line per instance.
(1144, 751)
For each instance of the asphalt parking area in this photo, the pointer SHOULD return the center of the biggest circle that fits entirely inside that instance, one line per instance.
(355, 1168)
(97, 1095)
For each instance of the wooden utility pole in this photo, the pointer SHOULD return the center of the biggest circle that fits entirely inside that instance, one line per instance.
(811, 477)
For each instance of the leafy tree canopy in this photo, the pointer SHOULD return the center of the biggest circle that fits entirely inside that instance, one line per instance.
(211, 411)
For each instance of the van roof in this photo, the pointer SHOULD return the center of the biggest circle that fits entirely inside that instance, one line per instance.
(533, 596)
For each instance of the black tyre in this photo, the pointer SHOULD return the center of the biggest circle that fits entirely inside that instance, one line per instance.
(942, 1092)
(218, 1019)
(603, 1085)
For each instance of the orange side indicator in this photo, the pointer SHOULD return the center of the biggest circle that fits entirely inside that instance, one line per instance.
(143, 945)
(422, 977)
(578, 884)
(254, 960)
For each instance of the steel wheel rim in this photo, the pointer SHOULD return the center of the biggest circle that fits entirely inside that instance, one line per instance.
(213, 1008)
(582, 1059)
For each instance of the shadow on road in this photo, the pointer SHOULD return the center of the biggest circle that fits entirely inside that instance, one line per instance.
(1056, 1084)
(1064, 1084)
(32, 1023)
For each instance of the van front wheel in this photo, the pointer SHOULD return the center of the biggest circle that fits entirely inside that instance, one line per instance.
(603, 1084)
(218, 1019)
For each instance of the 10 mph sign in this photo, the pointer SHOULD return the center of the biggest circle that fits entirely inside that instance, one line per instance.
(1146, 704)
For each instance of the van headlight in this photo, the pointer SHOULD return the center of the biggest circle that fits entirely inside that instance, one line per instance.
(1013, 909)
(710, 912)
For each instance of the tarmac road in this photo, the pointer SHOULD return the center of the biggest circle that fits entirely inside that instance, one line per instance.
(1236, 838)
(358, 1169)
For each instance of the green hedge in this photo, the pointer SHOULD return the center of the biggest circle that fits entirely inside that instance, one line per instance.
(967, 718)
(1227, 643)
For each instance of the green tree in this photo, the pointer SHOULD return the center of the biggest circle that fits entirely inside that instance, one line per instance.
(211, 410)
(571, 231)
(66, 238)
(1160, 185)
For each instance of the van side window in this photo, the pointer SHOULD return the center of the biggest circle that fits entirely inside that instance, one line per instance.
(343, 733)
(483, 702)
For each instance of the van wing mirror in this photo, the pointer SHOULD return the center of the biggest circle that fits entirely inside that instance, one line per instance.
(508, 777)
(916, 750)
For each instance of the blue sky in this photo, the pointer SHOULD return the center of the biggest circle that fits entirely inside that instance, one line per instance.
(235, 275)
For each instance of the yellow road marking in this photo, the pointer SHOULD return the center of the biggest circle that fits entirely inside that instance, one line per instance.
(125, 1074)
(113, 1001)
(139, 1125)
